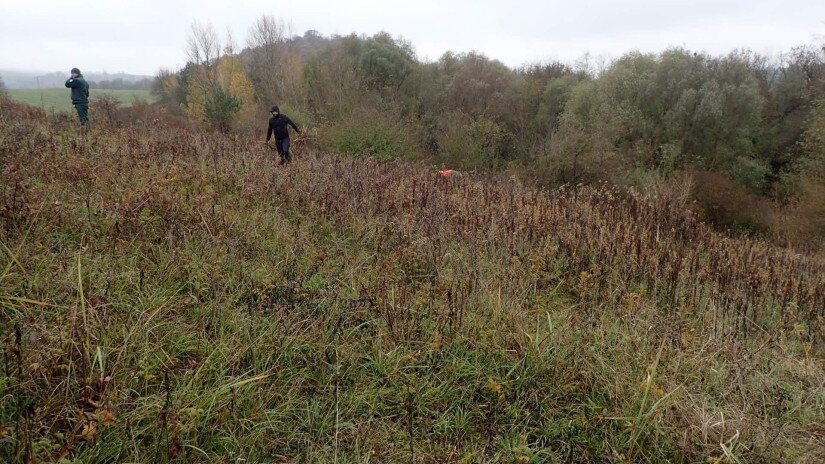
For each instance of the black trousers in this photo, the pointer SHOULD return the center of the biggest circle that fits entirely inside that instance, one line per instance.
(282, 145)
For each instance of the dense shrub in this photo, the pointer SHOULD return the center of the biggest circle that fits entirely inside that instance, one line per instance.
(468, 143)
(220, 108)
(369, 134)
(730, 206)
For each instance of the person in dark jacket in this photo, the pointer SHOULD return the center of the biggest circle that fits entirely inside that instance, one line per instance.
(80, 95)
(278, 126)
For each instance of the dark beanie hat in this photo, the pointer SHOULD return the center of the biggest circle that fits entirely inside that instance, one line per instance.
(75, 71)
(274, 109)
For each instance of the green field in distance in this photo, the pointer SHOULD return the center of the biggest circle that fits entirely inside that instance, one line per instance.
(59, 100)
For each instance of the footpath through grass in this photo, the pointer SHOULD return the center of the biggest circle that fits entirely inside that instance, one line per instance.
(169, 296)
(58, 99)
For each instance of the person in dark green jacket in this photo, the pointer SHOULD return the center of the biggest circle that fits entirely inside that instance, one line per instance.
(80, 95)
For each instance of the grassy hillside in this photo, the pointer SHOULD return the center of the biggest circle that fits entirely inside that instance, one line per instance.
(172, 296)
(58, 99)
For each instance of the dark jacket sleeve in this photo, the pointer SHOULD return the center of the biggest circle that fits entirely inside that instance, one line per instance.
(71, 83)
(293, 125)
(268, 131)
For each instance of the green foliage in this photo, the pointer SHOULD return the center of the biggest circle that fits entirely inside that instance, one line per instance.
(575, 156)
(709, 110)
(807, 181)
(385, 62)
(473, 84)
(553, 101)
(475, 144)
(187, 77)
(171, 88)
(333, 80)
(221, 108)
(749, 172)
(369, 134)
(814, 141)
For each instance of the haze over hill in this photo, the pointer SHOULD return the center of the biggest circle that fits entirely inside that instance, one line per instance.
(27, 79)
(141, 37)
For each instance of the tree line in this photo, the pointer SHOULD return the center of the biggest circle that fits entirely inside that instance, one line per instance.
(120, 83)
(748, 129)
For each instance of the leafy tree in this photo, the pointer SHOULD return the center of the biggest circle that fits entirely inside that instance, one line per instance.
(474, 84)
(274, 67)
(213, 89)
(792, 88)
(233, 80)
(333, 79)
(199, 84)
(170, 88)
(553, 100)
(385, 62)
(808, 180)
(701, 112)
(220, 108)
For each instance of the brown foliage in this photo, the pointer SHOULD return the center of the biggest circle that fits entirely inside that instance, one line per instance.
(609, 236)
(728, 205)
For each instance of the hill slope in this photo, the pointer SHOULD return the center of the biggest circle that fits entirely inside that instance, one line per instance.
(171, 296)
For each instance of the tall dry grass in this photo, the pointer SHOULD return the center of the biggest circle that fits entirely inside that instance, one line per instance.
(175, 296)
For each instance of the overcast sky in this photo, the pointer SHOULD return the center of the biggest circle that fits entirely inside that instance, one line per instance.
(142, 36)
